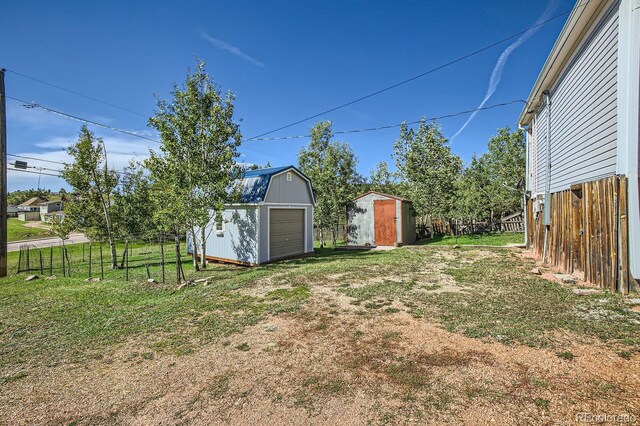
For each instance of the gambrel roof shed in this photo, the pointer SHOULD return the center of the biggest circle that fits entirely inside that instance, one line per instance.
(272, 220)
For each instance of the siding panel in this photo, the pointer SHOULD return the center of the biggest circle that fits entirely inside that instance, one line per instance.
(583, 115)
(583, 112)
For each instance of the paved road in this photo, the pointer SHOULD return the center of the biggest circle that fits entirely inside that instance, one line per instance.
(46, 242)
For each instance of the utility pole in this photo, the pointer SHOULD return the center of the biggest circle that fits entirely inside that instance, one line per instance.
(3, 177)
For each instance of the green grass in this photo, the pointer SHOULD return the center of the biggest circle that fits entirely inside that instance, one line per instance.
(46, 322)
(496, 239)
(16, 231)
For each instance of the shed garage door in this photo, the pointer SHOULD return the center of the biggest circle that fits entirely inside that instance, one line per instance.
(286, 232)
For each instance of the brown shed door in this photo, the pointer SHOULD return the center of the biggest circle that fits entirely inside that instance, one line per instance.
(384, 217)
(286, 232)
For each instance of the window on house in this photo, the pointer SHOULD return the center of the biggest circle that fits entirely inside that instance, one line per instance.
(288, 176)
(219, 226)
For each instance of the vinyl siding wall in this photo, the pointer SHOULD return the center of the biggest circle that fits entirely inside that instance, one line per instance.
(583, 115)
(238, 241)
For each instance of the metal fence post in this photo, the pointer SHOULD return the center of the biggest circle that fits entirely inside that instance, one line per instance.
(101, 264)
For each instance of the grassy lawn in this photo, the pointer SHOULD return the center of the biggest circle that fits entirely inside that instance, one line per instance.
(336, 323)
(496, 239)
(16, 231)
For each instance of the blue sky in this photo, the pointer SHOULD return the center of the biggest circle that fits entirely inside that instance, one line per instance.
(284, 61)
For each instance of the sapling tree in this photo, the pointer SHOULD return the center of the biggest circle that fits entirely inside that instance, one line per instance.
(195, 167)
(429, 171)
(331, 166)
(93, 184)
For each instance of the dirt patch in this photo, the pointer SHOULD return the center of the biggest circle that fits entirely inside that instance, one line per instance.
(336, 360)
(318, 367)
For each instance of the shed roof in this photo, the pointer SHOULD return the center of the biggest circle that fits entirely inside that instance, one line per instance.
(255, 183)
(384, 195)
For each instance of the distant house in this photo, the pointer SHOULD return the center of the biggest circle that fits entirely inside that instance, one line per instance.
(272, 220)
(12, 211)
(582, 133)
(49, 209)
(30, 209)
(379, 219)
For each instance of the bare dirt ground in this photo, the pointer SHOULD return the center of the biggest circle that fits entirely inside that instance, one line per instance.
(334, 362)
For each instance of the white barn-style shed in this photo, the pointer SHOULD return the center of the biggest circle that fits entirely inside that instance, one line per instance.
(273, 219)
(379, 219)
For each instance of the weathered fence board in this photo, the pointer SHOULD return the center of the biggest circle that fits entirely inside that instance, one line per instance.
(588, 233)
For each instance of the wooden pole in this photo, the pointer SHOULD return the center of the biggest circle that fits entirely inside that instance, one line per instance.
(90, 245)
(3, 178)
(50, 260)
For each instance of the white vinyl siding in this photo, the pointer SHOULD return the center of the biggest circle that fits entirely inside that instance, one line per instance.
(583, 111)
(583, 115)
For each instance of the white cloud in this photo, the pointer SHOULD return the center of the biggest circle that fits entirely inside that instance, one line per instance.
(223, 45)
(498, 69)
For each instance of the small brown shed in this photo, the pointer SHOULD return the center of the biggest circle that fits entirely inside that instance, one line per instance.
(380, 219)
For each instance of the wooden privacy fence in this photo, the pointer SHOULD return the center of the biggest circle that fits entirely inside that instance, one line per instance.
(588, 234)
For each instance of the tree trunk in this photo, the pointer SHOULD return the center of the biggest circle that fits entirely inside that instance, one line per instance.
(321, 237)
(178, 260)
(194, 249)
(203, 248)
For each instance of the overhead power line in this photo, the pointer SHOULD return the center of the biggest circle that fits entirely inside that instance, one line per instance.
(36, 159)
(28, 104)
(391, 126)
(64, 89)
(34, 172)
(408, 80)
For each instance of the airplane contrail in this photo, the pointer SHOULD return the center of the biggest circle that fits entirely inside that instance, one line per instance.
(496, 75)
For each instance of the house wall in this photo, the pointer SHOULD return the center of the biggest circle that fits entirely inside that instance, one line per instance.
(28, 216)
(239, 239)
(583, 124)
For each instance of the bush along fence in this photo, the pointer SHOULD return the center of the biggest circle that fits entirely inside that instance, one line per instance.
(152, 260)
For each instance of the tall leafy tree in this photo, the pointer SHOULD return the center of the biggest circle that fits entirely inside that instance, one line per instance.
(492, 185)
(196, 164)
(429, 171)
(93, 183)
(133, 204)
(382, 180)
(331, 166)
(506, 164)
